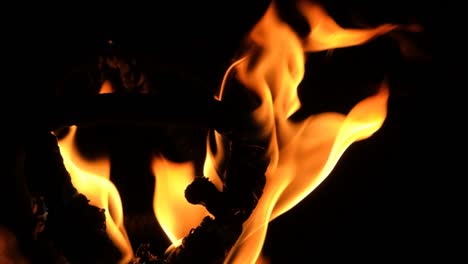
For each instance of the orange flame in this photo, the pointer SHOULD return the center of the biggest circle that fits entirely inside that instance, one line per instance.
(106, 88)
(92, 180)
(327, 34)
(175, 215)
(304, 153)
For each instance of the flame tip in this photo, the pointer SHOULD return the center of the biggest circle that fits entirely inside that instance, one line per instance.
(273, 70)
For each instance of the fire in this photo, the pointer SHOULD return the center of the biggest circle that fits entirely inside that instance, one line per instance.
(327, 34)
(175, 215)
(303, 153)
(106, 88)
(92, 180)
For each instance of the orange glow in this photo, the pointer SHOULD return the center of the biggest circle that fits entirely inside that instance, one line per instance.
(92, 180)
(106, 87)
(302, 153)
(9, 249)
(174, 213)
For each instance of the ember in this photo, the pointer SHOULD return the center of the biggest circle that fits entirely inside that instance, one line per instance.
(119, 169)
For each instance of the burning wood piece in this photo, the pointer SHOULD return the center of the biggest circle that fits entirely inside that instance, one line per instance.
(73, 225)
(208, 243)
(243, 182)
(243, 187)
(243, 175)
(202, 191)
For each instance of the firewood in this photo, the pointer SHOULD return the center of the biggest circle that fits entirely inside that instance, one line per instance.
(74, 227)
(243, 177)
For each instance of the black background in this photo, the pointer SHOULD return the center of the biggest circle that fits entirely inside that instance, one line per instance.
(369, 208)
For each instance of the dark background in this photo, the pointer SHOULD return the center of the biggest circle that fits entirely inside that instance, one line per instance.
(370, 207)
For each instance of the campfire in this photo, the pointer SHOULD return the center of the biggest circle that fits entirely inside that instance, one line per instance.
(129, 174)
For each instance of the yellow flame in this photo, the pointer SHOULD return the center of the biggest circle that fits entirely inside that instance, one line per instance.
(92, 180)
(211, 160)
(174, 213)
(303, 153)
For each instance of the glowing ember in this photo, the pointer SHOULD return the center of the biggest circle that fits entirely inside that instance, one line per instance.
(302, 154)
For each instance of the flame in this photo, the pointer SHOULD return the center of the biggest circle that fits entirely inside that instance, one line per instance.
(174, 213)
(302, 153)
(92, 180)
(106, 87)
(327, 34)
(211, 160)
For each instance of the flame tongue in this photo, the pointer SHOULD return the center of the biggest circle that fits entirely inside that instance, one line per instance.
(327, 34)
(301, 154)
(92, 180)
(175, 215)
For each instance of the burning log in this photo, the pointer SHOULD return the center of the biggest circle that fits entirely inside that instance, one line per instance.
(66, 220)
(243, 176)
(211, 241)
(64, 216)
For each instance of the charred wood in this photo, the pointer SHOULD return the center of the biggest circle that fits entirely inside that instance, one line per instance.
(208, 243)
(243, 176)
(70, 225)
